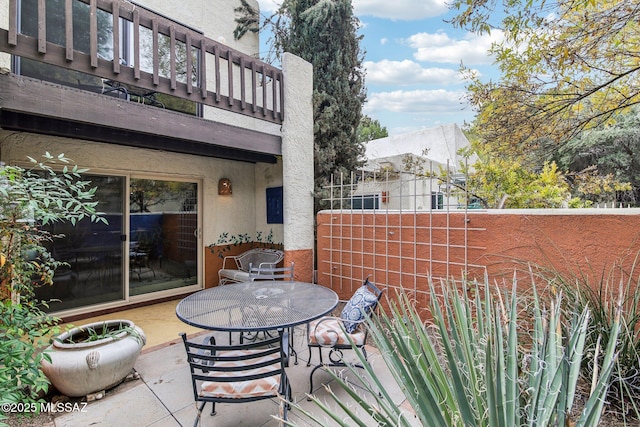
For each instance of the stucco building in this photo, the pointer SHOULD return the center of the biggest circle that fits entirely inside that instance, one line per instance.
(163, 106)
(404, 171)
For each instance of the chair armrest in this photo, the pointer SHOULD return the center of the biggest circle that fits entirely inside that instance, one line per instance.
(208, 340)
(330, 332)
(266, 265)
(231, 257)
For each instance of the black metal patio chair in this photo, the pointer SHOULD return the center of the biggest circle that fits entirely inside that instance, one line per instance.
(238, 373)
(337, 333)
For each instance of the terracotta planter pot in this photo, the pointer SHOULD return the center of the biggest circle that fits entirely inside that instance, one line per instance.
(79, 367)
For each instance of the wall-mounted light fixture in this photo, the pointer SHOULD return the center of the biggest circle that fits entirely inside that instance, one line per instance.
(224, 187)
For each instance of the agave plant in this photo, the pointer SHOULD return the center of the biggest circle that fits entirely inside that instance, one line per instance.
(484, 361)
(600, 296)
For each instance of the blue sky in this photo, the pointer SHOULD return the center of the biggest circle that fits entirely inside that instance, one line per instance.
(412, 62)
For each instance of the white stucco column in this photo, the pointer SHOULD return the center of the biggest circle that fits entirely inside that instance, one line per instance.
(297, 164)
(5, 58)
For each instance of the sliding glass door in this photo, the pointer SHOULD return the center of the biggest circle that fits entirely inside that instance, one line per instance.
(163, 246)
(149, 246)
(91, 252)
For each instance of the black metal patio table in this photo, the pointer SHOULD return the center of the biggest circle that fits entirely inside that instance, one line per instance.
(256, 306)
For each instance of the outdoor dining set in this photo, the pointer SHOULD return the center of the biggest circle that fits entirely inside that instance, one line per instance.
(259, 305)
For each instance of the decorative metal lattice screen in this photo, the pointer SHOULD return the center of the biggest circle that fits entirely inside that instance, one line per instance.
(400, 228)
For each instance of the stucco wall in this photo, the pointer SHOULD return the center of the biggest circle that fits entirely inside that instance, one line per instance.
(215, 18)
(242, 212)
(297, 152)
(401, 250)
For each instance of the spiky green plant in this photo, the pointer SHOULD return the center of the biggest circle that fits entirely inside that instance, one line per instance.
(484, 363)
(602, 290)
(601, 294)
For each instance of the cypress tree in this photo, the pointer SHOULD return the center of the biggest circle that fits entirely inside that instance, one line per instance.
(324, 33)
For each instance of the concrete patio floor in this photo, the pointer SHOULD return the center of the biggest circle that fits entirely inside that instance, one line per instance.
(163, 395)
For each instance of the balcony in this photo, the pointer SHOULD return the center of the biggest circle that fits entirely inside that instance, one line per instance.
(110, 71)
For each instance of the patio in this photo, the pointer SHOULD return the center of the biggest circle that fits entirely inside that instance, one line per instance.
(163, 395)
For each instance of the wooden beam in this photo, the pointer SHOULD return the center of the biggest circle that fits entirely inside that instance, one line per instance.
(24, 122)
(37, 98)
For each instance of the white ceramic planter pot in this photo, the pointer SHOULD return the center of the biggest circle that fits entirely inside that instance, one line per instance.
(79, 368)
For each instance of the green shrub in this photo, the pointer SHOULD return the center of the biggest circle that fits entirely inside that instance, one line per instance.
(53, 190)
(490, 359)
(25, 329)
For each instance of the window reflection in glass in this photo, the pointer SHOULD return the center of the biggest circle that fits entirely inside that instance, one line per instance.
(163, 244)
(92, 253)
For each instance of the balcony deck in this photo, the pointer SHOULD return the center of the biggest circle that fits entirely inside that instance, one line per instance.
(31, 105)
(236, 84)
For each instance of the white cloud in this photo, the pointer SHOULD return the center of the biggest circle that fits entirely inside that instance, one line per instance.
(402, 10)
(407, 72)
(268, 6)
(416, 102)
(384, 41)
(440, 47)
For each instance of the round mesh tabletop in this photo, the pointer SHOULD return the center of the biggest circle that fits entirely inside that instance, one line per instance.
(256, 306)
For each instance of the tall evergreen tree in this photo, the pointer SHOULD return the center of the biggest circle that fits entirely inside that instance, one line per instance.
(324, 33)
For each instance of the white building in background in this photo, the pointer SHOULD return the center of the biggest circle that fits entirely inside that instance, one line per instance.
(401, 171)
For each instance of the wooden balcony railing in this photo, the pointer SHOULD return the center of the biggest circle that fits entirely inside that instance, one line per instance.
(164, 57)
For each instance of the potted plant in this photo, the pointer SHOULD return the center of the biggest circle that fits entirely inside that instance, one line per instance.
(93, 357)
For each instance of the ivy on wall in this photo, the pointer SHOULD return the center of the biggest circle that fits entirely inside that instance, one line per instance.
(228, 241)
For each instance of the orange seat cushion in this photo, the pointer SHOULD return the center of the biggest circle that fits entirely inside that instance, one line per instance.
(267, 386)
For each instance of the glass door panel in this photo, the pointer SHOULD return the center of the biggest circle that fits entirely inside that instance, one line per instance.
(163, 244)
(92, 253)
